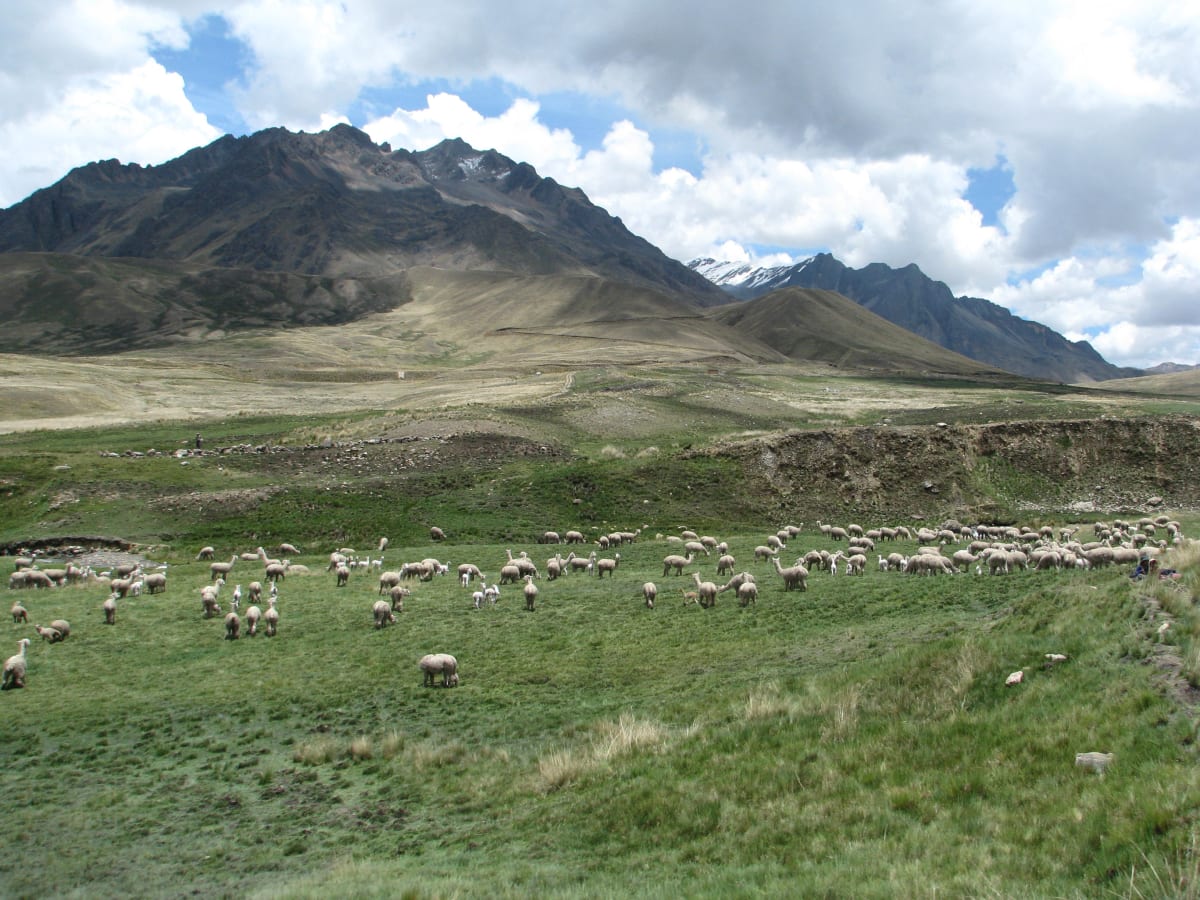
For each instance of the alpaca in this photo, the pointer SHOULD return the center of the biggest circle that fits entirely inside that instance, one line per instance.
(14, 668)
(607, 565)
(676, 562)
(271, 618)
(253, 614)
(706, 592)
(383, 614)
(439, 663)
(793, 576)
(221, 569)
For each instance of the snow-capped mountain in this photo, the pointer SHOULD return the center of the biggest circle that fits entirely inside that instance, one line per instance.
(976, 328)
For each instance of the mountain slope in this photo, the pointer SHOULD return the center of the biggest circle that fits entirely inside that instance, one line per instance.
(1183, 383)
(975, 328)
(336, 204)
(824, 326)
(64, 304)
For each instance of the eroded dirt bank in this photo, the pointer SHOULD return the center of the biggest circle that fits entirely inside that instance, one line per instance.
(982, 472)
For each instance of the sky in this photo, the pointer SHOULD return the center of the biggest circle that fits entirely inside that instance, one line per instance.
(1040, 154)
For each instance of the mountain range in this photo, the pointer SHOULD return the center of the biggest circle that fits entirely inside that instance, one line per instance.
(907, 297)
(282, 230)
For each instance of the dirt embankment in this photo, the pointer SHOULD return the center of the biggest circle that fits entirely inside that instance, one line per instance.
(981, 472)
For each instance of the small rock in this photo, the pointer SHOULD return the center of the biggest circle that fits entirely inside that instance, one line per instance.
(1015, 678)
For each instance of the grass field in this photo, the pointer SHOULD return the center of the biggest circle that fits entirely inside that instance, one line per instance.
(856, 739)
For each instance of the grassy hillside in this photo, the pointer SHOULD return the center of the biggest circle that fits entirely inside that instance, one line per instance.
(809, 324)
(1181, 384)
(859, 733)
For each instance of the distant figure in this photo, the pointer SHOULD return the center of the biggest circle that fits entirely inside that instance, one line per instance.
(199, 441)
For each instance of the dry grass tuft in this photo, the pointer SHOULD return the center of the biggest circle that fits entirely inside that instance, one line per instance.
(768, 702)
(318, 751)
(842, 710)
(609, 741)
(1178, 878)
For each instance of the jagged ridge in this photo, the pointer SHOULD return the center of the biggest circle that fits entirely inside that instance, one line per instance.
(972, 327)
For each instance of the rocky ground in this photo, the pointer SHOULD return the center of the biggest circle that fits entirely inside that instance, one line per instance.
(978, 472)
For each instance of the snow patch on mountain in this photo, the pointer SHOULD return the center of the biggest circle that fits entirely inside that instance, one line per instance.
(741, 275)
(473, 167)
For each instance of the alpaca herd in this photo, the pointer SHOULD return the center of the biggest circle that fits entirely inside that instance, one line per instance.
(951, 549)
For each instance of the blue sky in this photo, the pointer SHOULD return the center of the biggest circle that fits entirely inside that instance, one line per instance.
(1038, 155)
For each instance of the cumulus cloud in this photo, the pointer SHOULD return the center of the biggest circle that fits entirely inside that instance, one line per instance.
(909, 209)
(517, 132)
(47, 46)
(139, 116)
(1136, 311)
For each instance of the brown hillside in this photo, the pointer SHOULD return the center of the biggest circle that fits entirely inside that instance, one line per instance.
(822, 326)
(1176, 384)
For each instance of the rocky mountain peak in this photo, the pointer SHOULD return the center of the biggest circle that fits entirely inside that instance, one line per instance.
(973, 327)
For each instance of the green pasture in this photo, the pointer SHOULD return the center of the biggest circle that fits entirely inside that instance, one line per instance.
(855, 737)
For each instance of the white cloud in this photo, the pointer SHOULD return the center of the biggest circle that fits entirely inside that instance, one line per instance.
(1171, 278)
(138, 116)
(48, 47)
(312, 58)
(1102, 60)
(516, 133)
(1135, 312)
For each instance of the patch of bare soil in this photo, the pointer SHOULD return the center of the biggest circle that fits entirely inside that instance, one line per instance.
(438, 448)
(229, 501)
(1167, 661)
(1099, 465)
